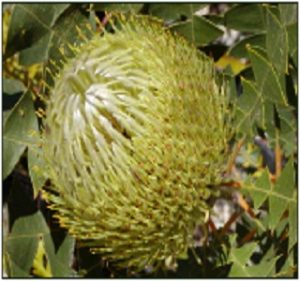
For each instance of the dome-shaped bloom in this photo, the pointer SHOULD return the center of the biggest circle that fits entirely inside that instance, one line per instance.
(135, 134)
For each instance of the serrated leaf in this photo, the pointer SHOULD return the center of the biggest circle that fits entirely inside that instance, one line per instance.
(263, 269)
(18, 132)
(245, 17)
(268, 81)
(288, 13)
(239, 257)
(239, 49)
(276, 42)
(252, 110)
(287, 129)
(279, 195)
(198, 30)
(285, 185)
(174, 11)
(23, 242)
(283, 189)
(50, 36)
(29, 24)
(66, 33)
(248, 107)
(263, 184)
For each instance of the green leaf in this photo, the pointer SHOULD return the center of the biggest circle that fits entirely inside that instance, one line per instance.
(23, 242)
(21, 245)
(292, 31)
(198, 30)
(241, 265)
(263, 269)
(263, 184)
(38, 52)
(174, 11)
(18, 132)
(288, 13)
(239, 257)
(248, 108)
(13, 270)
(12, 86)
(252, 110)
(216, 19)
(239, 49)
(289, 268)
(276, 42)
(282, 194)
(268, 81)
(245, 17)
(287, 135)
(66, 251)
(36, 165)
(293, 221)
(112, 7)
(65, 33)
(29, 24)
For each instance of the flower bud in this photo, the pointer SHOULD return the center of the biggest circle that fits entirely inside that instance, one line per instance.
(136, 135)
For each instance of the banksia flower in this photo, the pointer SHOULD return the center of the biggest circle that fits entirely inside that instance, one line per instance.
(134, 136)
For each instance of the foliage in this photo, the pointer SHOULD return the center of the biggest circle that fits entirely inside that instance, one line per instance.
(260, 70)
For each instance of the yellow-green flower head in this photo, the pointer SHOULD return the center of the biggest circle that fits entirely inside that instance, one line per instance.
(135, 136)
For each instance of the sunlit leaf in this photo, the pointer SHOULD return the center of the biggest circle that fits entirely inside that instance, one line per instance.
(239, 257)
(263, 269)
